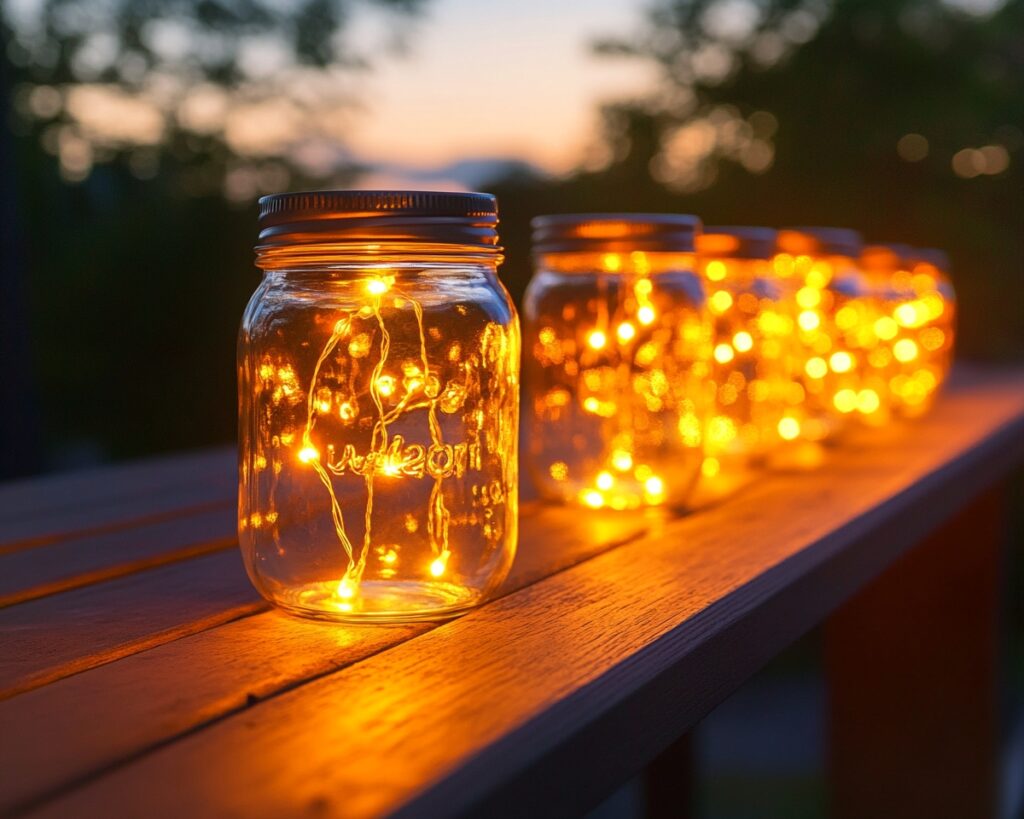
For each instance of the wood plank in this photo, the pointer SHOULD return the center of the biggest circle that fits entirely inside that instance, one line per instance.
(144, 700)
(28, 574)
(540, 702)
(44, 510)
(51, 638)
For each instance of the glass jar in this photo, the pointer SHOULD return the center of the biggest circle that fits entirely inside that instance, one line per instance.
(836, 311)
(915, 326)
(617, 353)
(758, 394)
(378, 406)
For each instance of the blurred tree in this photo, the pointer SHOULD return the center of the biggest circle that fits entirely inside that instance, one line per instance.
(239, 93)
(123, 266)
(901, 117)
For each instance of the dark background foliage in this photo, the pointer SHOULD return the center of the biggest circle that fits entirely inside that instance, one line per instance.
(123, 284)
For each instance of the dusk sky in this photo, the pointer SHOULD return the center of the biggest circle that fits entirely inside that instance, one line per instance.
(495, 79)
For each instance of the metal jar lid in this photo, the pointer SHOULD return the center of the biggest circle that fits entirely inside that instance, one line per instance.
(821, 241)
(358, 217)
(737, 242)
(615, 232)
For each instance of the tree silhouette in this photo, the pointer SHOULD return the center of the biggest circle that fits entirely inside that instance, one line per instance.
(245, 93)
(898, 117)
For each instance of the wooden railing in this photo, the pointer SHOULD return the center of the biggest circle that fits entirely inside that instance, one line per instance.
(141, 675)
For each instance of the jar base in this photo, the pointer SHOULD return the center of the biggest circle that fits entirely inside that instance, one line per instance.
(380, 601)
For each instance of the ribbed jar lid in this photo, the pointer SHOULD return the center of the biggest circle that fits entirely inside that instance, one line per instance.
(821, 241)
(614, 232)
(889, 257)
(737, 242)
(363, 217)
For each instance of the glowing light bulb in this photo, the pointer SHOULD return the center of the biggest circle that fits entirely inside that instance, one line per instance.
(377, 287)
(559, 470)
(808, 320)
(386, 385)
(868, 401)
(605, 480)
(592, 498)
(710, 467)
(886, 328)
(847, 317)
(743, 341)
(816, 367)
(720, 301)
(308, 454)
(716, 270)
(440, 564)
(841, 362)
(654, 485)
(907, 314)
(626, 332)
(346, 590)
(845, 400)
(808, 297)
(723, 354)
(789, 429)
(622, 460)
(597, 340)
(904, 350)
(645, 315)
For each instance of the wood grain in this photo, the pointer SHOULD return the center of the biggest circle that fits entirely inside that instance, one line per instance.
(144, 700)
(540, 702)
(40, 511)
(28, 574)
(51, 638)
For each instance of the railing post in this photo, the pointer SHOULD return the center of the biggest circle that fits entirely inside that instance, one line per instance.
(669, 782)
(912, 666)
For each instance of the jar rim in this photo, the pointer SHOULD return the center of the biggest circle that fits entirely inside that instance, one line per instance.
(737, 242)
(368, 218)
(614, 232)
(821, 241)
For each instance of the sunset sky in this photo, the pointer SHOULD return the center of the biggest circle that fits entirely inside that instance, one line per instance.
(512, 79)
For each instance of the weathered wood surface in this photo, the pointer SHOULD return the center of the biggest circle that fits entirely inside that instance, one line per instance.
(46, 510)
(538, 702)
(73, 562)
(142, 701)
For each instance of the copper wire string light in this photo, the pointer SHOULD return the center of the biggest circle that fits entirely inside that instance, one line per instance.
(379, 379)
(834, 333)
(759, 395)
(379, 368)
(617, 356)
(914, 326)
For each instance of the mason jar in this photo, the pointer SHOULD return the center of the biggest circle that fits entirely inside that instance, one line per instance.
(617, 359)
(758, 394)
(836, 313)
(378, 369)
(915, 327)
